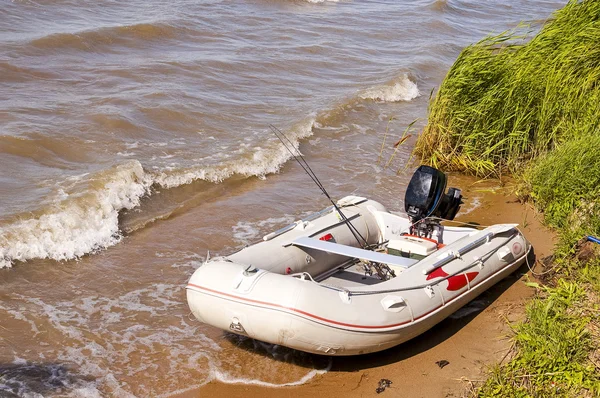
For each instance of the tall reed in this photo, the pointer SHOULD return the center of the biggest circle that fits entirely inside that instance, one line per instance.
(507, 100)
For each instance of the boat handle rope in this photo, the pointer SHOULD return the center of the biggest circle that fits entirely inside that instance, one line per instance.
(303, 276)
(437, 282)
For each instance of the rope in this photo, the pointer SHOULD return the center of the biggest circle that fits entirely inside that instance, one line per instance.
(538, 273)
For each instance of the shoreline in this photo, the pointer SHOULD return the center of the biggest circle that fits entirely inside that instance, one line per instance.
(470, 343)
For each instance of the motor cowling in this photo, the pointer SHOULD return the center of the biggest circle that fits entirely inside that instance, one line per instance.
(425, 196)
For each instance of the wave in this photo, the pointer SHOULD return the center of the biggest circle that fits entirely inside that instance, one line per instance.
(446, 6)
(248, 232)
(439, 5)
(128, 35)
(86, 217)
(259, 163)
(400, 89)
(78, 224)
(83, 216)
(52, 151)
(83, 367)
(10, 73)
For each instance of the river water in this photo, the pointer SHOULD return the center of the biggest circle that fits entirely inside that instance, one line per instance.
(134, 137)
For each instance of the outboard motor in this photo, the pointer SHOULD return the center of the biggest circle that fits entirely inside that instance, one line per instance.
(425, 198)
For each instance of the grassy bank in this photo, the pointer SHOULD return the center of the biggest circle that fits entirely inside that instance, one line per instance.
(508, 99)
(557, 347)
(555, 351)
(531, 107)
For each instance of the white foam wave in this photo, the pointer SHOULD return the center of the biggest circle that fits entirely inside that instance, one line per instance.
(83, 215)
(255, 161)
(99, 357)
(217, 374)
(402, 89)
(223, 377)
(474, 203)
(76, 224)
(88, 354)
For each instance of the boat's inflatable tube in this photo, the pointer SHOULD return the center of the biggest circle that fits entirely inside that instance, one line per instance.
(249, 292)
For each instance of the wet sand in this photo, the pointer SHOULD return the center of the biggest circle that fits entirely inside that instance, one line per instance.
(473, 339)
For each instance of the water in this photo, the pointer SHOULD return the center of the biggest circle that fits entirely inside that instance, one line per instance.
(135, 137)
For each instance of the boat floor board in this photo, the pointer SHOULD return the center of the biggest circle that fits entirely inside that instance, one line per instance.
(353, 252)
(350, 278)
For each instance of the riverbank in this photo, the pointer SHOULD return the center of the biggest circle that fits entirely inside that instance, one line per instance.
(475, 338)
(498, 111)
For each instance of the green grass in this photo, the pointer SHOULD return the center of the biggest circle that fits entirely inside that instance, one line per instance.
(506, 100)
(555, 344)
(565, 184)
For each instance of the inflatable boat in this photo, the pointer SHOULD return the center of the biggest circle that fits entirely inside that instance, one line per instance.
(354, 278)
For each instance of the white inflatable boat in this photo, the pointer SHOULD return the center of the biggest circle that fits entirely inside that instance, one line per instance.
(353, 278)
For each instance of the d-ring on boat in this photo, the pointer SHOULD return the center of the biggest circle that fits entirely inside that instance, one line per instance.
(354, 278)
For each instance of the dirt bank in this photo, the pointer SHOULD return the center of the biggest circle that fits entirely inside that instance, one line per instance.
(475, 337)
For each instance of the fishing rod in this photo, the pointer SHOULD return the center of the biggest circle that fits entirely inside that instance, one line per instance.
(289, 146)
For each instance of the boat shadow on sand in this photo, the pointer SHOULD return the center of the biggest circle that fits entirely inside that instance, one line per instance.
(422, 343)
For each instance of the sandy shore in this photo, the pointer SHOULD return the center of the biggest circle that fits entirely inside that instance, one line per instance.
(470, 343)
